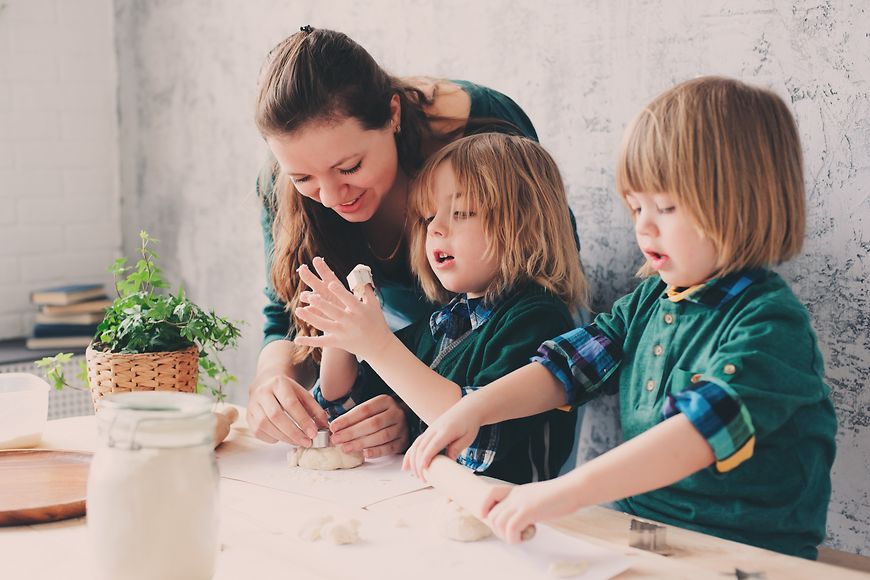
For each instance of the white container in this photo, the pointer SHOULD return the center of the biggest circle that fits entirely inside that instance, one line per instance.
(23, 410)
(152, 488)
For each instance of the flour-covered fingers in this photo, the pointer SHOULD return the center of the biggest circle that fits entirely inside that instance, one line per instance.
(316, 319)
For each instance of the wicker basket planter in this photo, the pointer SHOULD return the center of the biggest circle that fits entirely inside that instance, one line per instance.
(110, 372)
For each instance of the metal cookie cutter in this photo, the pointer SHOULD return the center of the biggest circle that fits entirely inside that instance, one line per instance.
(320, 440)
(648, 536)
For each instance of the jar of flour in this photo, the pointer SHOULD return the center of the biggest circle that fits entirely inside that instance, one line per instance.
(152, 488)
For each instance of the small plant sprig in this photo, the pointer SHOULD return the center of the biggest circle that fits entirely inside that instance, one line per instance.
(144, 318)
(53, 366)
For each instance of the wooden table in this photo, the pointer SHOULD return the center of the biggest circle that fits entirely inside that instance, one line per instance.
(255, 528)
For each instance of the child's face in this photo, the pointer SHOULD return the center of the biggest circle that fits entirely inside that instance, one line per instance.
(671, 241)
(455, 241)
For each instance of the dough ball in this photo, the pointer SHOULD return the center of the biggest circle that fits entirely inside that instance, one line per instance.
(457, 524)
(568, 568)
(323, 459)
(341, 532)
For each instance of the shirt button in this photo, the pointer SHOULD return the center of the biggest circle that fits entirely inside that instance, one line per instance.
(729, 369)
(658, 350)
(669, 318)
(696, 377)
(650, 385)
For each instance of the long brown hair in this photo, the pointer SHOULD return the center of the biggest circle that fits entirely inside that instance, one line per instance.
(730, 154)
(319, 75)
(517, 190)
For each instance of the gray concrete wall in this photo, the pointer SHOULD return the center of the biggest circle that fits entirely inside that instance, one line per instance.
(189, 150)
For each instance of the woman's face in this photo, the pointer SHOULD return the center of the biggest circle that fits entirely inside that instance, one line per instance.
(341, 165)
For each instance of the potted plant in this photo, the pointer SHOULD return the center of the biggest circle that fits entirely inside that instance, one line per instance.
(151, 339)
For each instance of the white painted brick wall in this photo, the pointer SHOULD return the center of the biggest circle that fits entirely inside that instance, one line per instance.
(59, 198)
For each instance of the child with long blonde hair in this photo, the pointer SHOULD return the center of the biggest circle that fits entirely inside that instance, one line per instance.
(493, 239)
(729, 426)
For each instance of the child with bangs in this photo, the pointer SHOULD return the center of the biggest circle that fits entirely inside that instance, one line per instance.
(728, 423)
(492, 239)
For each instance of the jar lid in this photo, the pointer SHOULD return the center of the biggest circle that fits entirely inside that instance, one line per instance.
(155, 419)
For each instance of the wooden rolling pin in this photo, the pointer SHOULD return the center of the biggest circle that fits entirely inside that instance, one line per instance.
(225, 419)
(462, 486)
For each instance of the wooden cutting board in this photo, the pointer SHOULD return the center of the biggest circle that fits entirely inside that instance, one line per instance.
(42, 485)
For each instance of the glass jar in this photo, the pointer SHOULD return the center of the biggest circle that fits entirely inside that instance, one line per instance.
(152, 488)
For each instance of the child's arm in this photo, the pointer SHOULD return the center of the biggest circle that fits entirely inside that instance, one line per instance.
(359, 327)
(338, 371)
(527, 391)
(667, 453)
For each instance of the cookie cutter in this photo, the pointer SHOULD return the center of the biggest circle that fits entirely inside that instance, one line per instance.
(321, 440)
(647, 536)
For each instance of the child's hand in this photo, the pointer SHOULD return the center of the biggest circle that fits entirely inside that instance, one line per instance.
(354, 325)
(509, 510)
(454, 430)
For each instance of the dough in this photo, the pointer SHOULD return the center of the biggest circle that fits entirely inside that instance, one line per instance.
(457, 524)
(568, 568)
(341, 532)
(327, 528)
(323, 459)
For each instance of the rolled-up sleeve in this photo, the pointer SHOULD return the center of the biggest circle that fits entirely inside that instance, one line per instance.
(719, 415)
(582, 360)
(341, 405)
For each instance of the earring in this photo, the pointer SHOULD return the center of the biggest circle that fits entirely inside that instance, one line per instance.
(398, 129)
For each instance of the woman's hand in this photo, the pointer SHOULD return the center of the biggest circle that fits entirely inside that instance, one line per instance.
(280, 409)
(348, 323)
(376, 427)
(452, 431)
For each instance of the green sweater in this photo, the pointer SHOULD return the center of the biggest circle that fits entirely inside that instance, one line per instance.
(528, 449)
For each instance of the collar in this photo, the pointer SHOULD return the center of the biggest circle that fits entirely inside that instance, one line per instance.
(718, 291)
(459, 315)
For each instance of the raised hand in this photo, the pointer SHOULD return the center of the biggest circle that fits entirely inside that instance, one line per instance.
(355, 325)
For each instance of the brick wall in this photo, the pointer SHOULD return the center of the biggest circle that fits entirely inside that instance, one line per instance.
(59, 198)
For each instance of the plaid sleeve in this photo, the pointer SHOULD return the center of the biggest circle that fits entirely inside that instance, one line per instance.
(340, 406)
(481, 453)
(720, 417)
(581, 360)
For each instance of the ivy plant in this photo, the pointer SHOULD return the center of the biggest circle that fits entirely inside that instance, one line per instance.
(145, 317)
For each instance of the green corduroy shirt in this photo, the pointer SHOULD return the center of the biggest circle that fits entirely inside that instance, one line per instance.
(758, 345)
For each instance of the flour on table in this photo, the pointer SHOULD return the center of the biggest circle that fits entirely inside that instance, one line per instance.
(567, 568)
(323, 459)
(456, 523)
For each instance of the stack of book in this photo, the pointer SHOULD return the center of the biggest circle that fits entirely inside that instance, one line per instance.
(68, 316)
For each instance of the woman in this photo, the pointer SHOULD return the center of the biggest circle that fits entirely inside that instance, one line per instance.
(346, 139)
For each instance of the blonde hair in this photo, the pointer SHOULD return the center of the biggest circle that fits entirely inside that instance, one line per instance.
(516, 188)
(730, 155)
